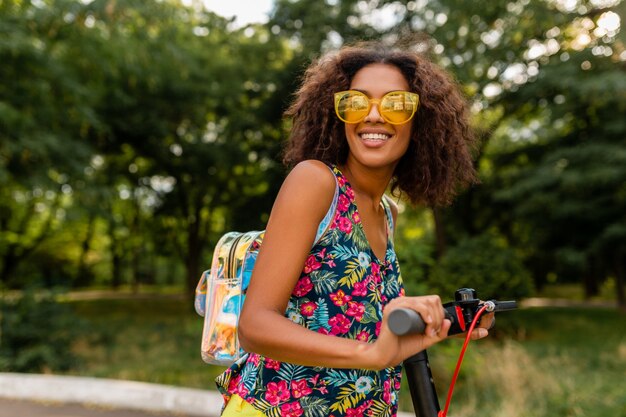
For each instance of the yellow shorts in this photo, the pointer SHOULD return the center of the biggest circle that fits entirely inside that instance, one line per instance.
(238, 407)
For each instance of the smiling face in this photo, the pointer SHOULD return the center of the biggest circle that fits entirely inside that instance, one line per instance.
(373, 142)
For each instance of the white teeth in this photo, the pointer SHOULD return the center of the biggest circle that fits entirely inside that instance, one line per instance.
(374, 136)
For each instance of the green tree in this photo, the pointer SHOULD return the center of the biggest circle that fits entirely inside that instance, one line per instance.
(570, 190)
(42, 111)
(160, 105)
(516, 61)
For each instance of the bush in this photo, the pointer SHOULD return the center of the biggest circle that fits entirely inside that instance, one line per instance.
(484, 263)
(36, 334)
(415, 259)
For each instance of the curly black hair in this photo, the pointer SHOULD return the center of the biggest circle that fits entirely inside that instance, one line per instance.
(438, 161)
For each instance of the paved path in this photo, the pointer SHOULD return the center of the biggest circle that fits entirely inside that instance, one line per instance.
(20, 408)
(32, 395)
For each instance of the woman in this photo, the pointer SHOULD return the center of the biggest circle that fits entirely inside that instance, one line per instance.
(365, 119)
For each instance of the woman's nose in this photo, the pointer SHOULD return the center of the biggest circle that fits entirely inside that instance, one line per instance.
(374, 115)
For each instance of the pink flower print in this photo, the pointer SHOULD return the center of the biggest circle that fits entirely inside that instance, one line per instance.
(322, 253)
(358, 412)
(371, 285)
(340, 324)
(311, 264)
(341, 180)
(322, 330)
(356, 217)
(314, 379)
(363, 336)
(322, 389)
(307, 309)
(242, 391)
(365, 406)
(396, 383)
(232, 385)
(343, 203)
(350, 193)
(254, 358)
(303, 286)
(373, 280)
(359, 289)
(277, 392)
(387, 392)
(236, 387)
(354, 412)
(300, 388)
(377, 330)
(345, 225)
(375, 269)
(272, 364)
(340, 298)
(292, 409)
(355, 310)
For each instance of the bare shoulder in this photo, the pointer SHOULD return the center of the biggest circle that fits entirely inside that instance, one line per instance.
(309, 188)
(312, 181)
(315, 172)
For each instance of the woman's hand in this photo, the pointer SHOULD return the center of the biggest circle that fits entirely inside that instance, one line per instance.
(390, 349)
(487, 321)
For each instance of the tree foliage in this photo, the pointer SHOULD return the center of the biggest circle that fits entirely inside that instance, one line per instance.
(134, 133)
(485, 263)
(177, 123)
(37, 334)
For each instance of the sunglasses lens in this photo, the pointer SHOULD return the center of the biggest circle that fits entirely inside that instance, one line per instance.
(352, 106)
(398, 107)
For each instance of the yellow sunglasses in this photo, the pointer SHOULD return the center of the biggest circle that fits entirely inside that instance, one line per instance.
(395, 107)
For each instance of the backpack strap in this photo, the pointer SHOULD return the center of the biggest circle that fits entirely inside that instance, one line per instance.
(330, 214)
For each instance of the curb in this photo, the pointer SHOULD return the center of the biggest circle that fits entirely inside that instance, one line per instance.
(116, 394)
(129, 395)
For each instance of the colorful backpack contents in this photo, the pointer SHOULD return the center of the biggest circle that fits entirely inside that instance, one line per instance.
(221, 292)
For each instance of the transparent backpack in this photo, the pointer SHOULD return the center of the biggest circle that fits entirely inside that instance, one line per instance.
(220, 294)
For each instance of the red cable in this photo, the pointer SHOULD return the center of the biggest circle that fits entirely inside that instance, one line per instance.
(458, 364)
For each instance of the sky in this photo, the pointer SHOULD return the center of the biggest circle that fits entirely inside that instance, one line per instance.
(246, 11)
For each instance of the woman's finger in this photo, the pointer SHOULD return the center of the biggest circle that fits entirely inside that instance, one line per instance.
(487, 321)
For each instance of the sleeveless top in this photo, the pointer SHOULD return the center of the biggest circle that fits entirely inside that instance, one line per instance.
(342, 291)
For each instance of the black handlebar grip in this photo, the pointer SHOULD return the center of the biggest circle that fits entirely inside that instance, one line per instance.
(505, 305)
(404, 321)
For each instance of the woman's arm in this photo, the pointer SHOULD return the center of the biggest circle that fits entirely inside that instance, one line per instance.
(300, 205)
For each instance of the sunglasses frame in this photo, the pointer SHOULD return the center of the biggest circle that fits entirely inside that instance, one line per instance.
(371, 101)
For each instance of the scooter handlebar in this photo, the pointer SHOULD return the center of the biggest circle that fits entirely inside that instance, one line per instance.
(460, 313)
(405, 321)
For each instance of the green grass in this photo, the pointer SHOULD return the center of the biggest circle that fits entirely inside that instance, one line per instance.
(144, 339)
(540, 362)
(537, 362)
(574, 291)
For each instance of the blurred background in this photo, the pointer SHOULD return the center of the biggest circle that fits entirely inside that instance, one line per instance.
(134, 133)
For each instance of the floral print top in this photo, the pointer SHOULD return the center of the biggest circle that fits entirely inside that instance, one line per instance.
(341, 291)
